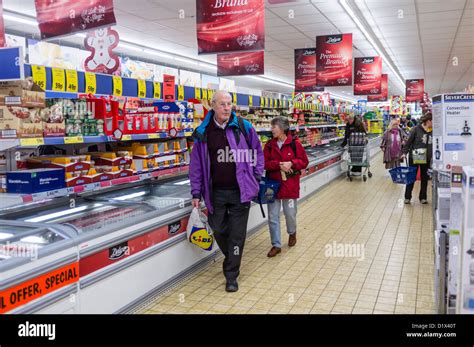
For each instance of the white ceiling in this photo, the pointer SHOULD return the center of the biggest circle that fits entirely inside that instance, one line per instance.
(421, 44)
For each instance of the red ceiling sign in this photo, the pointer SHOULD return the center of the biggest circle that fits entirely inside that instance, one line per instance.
(305, 70)
(230, 25)
(382, 96)
(367, 76)
(244, 63)
(414, 90)
(60, 18)
(334, 60)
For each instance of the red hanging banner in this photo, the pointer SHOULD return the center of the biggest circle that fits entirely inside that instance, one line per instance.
(367, 76)
(305, 70)
(2, 27)
(60, 18)
(414, 90)
(382, 96)
(230, 25)
(334, 60)
(237, 64)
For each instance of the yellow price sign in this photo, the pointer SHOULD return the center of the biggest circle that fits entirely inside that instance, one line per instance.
(234, 98)
(197, 93)
(141, 88)
(91, 83)
(280, 103)
(58, 81)
(204, 94)
(153, 136)
(250, 100)
(32, 142)
(210, 93)
(73, 139)
(126, 138)
(39, 75)
(180, 92)
(156, 90)
(117, 85)
(72, 81)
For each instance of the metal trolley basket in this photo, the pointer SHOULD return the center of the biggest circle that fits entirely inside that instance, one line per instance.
(358, 155)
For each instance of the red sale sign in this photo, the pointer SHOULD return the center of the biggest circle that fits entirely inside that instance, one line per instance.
(60, 18)
(414, 90)
(2, 26)
(367, 76)
(334, 60)
(305, 70)
(230, 25)
(383, 96)
(236, 64)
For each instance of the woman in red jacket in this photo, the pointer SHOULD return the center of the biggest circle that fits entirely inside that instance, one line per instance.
(285, 157)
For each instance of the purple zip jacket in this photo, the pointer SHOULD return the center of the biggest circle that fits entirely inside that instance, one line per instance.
(249, 163)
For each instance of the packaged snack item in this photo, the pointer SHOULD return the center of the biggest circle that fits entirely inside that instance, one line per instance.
(20, 122)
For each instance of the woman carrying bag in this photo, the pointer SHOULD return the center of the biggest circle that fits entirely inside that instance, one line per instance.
(420, 147)
(285, 157)
(392, 142)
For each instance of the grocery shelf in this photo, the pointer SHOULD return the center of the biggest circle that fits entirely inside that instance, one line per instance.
(305, 126)
(6, 144)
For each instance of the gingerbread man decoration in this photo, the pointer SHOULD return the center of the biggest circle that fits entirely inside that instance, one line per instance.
(101, 42)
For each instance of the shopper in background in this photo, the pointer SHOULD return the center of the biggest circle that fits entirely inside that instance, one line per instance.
(419, 146)
(354, 124)
(392, 142)
(227, 183)
(285, 157)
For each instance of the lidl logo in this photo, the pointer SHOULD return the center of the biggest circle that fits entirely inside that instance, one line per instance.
(201, 238)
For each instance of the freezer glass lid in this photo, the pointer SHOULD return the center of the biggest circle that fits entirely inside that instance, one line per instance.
(19, 241)
(92, 216)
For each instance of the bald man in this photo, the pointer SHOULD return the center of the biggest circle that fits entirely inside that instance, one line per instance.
(226, 166)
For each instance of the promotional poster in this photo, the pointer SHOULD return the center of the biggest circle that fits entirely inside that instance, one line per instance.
(334, 60)
(60, 18)
(367, 76)
(305, 70)
(383, 96)
(396, 105)
(101, 43)
(230, 26)
(414, 90)
(238, 64)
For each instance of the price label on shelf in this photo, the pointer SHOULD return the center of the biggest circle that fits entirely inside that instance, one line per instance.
(153, 136)
(250, 101)
(197, 93)
(280, 104)
(117, 85)
(58, 81)
(141, 88)
(72, 81)
(188, 133)
(180, 92)
(39, 75)
(126, 138)
(234, 98)
(204, 94)
(73, 139)
(156, 90)
(32, 142)
(91, 83)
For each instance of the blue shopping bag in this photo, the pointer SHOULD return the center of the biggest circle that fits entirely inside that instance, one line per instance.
(267, 192)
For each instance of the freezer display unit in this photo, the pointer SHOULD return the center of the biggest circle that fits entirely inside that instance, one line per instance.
(39, 267)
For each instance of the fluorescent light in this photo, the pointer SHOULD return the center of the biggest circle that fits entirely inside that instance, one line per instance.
(5, 236)
(268, 80)
(80, 35)
(130, 47)
(130, 196)
(20, 20)
(370, 39)
(59, 214)
(186, 60)
(158, 53)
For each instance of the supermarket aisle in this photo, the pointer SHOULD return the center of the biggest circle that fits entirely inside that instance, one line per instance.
(392, 273)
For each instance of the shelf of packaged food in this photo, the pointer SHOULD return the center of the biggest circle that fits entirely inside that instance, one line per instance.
(305, 126)
(40, 141)
(12, 200)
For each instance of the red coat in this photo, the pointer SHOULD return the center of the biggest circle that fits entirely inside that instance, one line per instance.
(289, 189)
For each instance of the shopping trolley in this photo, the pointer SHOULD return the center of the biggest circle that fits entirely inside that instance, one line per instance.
(358, 155)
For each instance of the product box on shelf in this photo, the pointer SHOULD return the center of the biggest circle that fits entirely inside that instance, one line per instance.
(20, 122)
(121, 159)
(35, 180)
(22, 93)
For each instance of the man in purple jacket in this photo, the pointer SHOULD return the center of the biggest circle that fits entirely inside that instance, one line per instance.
(226, 166)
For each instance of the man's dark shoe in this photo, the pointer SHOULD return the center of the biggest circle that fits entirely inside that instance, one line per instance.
(273, 252)
(231, 286)
(292, 240)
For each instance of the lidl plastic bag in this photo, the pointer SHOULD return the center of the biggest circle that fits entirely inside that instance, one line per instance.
(198, 231)
(419, 156)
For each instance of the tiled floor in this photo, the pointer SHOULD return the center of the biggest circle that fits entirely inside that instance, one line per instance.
(359, 250)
